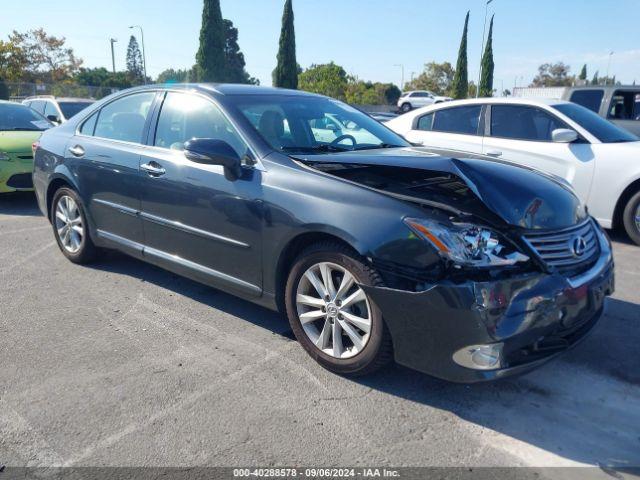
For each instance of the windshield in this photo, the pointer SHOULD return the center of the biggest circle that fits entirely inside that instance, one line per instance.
(597, 126)
(69, 109)
(14, 116)
(299, 124)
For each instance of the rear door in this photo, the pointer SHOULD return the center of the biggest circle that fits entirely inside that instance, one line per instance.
(105, 156)
(521, 134)
(455, 128)
(624, 110)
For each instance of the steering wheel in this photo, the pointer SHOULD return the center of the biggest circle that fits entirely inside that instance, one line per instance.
(337, 140)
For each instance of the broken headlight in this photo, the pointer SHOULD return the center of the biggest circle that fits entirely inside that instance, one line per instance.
(466, 244)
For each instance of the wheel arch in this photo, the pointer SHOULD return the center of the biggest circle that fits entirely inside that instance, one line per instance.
(628, 192)
(293, 248)
(54, 185)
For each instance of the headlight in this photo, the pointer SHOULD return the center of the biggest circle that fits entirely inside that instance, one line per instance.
(4, 156)
(466, 244)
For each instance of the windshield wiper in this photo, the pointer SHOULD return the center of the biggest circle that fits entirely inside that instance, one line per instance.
(318, 148)
(382, 145)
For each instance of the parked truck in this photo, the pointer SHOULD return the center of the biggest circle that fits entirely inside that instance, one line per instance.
(617, 103)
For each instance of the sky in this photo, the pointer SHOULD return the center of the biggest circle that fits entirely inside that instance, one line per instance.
(369, 38)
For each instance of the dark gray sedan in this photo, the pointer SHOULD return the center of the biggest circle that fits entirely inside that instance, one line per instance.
(464, 268)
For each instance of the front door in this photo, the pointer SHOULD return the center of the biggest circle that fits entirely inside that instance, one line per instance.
(196, 221)
(521, 134)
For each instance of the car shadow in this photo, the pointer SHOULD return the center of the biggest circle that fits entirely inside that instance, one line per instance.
(583, 407)
(19, 204)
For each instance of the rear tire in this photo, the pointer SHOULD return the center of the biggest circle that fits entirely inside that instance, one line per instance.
(70, 227)
(406, 107)
(348, 314)
(631, 218)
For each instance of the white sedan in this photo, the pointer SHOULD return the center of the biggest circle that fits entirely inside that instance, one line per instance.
(600, 160)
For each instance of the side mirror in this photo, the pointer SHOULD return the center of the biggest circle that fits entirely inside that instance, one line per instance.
(54, 119)
(564, 135)
(210, 151)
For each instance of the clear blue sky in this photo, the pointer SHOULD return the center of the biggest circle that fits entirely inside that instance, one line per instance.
(366, 37)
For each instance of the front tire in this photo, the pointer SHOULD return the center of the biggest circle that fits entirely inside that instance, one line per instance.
(631, 218)
(406, 107)
(70, 227)
(331, 315)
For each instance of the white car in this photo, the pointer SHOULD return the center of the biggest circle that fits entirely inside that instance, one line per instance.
(600, 160)
(419, 98)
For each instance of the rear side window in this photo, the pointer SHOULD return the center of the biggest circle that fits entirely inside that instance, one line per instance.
(124, 119)
(425, 122)
(522, 122)
(590, 99)
(463, 120)
(184, 116)
(89, 125)
(625, 105)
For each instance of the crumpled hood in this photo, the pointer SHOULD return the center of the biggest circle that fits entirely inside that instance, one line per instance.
(519, 196)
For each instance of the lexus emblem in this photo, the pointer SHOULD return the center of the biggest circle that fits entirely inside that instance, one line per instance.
(579, 246)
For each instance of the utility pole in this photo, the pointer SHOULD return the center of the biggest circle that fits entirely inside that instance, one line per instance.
(144, 55)
(484, 30)
(609, 65)
(113, 55)
(402, 67)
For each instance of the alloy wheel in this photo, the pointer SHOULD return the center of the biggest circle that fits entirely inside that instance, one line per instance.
(637, 218)
(69, 225)
(334, 311)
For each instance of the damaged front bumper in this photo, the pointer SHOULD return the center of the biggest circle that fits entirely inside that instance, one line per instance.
(523, 321)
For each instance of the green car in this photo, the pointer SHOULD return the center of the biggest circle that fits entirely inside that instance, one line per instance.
(19, 128)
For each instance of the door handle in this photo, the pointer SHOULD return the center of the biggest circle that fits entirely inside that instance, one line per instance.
(152, 168)
(494, 153)
(76, 151)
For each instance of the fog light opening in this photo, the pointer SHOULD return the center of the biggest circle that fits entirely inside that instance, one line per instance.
(480, 357)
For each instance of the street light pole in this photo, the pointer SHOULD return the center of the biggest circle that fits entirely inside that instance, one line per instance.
(144, 55)
(113, 55)
(609, 65)
(402, 67)
(484, 30)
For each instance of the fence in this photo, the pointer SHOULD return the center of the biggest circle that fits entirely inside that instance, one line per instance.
(19, 91)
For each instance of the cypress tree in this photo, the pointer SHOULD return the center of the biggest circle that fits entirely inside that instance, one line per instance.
(135, 67)
(583, 72)
(210, 58)
(460, 85)
(286, 73)
(595, 79)
(486, 80)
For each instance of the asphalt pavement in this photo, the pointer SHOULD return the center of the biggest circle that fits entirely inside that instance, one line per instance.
(123, 364)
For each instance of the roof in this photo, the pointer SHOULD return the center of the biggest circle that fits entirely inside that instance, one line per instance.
(233, 89)
(501, 100)
(59, 99)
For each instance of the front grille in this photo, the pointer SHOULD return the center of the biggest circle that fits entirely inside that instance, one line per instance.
(557, 249)
(20, 181)
(25, 157)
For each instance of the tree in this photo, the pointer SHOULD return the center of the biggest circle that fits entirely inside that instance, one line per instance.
(436, 78)
(104, 79)
(359, 92)
(327, 79)
(460, 86)
(285, 74)
(177, 76)
(210, 58)
(13, 62)
(233, 58)
(583, 73)
(4, 90)
(595, 80)
(486, 79)
(135, 67)
(553, 75)
(47, 57)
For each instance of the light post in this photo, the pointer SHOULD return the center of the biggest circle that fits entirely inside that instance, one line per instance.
(144, 55)
(113, 55)
(484, 30)
(609, 65)
(402, 67)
